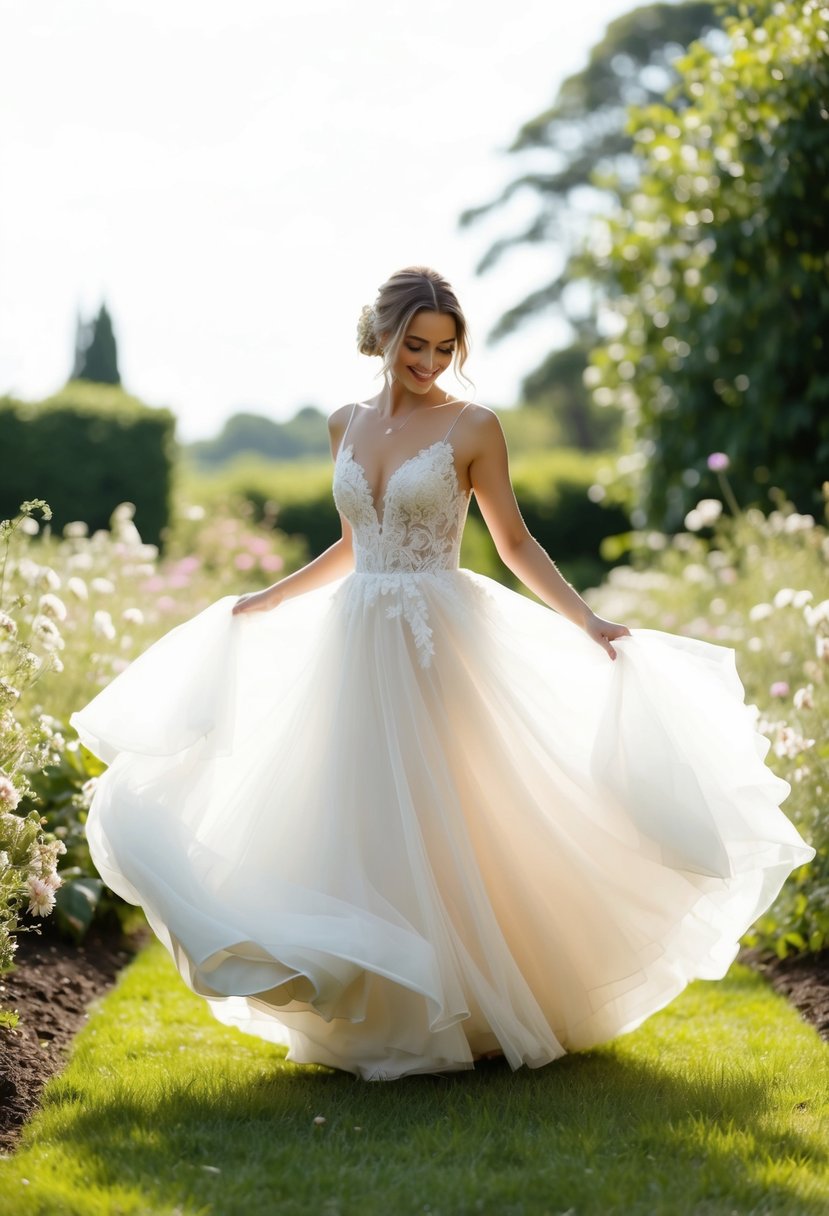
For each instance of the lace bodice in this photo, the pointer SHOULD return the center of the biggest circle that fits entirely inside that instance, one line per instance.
(415, 538)
(423, 512)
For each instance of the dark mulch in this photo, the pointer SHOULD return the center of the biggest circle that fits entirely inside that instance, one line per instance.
(802, 978)
(50, 987)
(54, 982)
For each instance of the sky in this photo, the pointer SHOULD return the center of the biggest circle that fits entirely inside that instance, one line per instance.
(236, 178)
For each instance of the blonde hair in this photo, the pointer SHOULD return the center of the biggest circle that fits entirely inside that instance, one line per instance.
(403, 295)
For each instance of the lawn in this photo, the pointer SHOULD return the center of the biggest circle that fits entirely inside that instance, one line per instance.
(718, 1104)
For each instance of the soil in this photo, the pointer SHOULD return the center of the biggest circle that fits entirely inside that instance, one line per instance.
(51, 985)
(54, 981)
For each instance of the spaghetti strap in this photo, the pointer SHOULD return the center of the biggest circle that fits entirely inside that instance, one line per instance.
(452, 427)
(347, 425)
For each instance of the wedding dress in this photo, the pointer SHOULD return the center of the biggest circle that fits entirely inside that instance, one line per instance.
(413, 816)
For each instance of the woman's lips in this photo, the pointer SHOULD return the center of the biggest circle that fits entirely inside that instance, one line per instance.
(419, 376)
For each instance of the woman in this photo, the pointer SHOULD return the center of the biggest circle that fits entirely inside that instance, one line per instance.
(410, 817)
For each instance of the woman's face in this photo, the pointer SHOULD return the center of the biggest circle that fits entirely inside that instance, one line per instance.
(425, 351)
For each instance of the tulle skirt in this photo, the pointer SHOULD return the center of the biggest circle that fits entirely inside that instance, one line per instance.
(404, 820)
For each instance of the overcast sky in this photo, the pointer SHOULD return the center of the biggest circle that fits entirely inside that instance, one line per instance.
(236, 179)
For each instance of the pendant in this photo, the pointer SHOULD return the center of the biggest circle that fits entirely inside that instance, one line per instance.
(388, 430)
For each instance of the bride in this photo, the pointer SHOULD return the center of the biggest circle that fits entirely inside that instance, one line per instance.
(396, 816)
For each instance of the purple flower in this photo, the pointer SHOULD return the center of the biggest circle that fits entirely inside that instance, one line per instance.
(718, 462)
(779, 689)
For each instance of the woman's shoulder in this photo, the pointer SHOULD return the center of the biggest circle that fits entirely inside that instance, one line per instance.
(338, 420)
(481, 419)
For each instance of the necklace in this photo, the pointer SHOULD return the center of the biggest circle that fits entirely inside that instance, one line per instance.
(392, 430)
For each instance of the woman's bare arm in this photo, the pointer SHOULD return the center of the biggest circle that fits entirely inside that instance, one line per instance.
(518, 549)
(336, 561)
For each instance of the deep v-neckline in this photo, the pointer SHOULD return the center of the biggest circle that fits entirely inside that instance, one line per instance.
(349, 448)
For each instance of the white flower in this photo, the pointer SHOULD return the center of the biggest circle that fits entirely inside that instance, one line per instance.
(77, 527)
(134, 616)
(783, 597)
(9, 794)
(8, 692)
(789, 743)
(5, 860)
(816, 615)
(78, 587)
(41, 896)
(51, 605)
(102, 624)
(710, 509)
(759, 612)
(803, 697)
(801, 598)
(29, 571)
(102, 585)
(8, 624)
(49, 579)
(47, 631)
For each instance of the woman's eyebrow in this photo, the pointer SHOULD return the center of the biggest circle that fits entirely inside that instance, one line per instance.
(414, 338)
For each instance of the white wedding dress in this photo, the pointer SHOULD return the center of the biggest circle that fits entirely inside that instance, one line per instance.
(413, 816)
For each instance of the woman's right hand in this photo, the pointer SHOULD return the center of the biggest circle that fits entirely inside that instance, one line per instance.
(256, 601)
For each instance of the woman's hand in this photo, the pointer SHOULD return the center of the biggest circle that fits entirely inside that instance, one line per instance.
(603, 632)
(257, 601)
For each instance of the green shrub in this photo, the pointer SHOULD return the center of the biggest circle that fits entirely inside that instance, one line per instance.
(86, 449)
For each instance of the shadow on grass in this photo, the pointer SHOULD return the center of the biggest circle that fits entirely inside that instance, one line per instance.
(595, 1130)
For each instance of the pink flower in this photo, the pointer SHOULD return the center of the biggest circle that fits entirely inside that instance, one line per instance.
(156, 583)
(779, 689)
(718, 462)
(257, 544)
(272, 561)
(165, 603)
(244, 561)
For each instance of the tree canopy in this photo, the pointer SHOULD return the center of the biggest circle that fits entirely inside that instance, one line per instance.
(717, 266)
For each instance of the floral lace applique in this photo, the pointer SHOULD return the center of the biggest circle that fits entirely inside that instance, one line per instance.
(419, 534)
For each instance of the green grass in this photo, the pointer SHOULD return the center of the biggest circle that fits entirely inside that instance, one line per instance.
(718, 1104)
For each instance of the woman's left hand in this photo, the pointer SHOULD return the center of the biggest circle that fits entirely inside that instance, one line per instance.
(603, 632)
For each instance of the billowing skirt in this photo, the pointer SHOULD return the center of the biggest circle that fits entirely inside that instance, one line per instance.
(407, 819)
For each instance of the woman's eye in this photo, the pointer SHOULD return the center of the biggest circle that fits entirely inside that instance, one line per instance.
(417, 349)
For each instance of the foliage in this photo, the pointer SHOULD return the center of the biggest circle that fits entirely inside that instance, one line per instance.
(718, 262)
(96, 354)
(301, 437)
(28, 647)
(86, 449)
(557, 388)
(755, 583)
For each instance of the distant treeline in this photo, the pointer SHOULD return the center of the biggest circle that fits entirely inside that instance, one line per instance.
(306, 434)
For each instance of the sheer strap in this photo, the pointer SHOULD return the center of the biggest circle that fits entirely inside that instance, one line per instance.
(347, 425)
(452, 427)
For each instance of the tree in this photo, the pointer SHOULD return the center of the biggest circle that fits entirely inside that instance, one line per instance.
(582, 131)
(717, 266)
(96, 355)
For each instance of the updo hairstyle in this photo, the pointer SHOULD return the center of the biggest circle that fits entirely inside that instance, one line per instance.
(400, 298)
